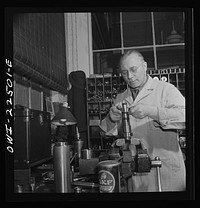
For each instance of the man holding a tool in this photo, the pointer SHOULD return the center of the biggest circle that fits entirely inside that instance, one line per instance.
(157, 112)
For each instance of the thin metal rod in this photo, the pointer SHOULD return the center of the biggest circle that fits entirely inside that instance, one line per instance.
(29, 94)
(41, 98)
(159, 181)
(73, 157)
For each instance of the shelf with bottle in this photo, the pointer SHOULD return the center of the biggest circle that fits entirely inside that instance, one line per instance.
(174, 75)
(100, 89)
(107, 81)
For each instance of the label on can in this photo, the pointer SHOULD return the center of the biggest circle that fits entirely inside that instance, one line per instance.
(106, 181)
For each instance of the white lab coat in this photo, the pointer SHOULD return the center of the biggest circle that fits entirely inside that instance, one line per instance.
(159, 137)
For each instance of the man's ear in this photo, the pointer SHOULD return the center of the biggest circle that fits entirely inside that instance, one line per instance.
(145, 66)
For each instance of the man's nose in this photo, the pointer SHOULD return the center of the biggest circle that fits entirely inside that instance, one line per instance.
(129, 75)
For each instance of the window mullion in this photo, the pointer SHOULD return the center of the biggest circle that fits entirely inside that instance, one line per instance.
(121, 32)
(154, 41)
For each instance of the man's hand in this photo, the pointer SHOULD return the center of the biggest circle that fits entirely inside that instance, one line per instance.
(142, 110)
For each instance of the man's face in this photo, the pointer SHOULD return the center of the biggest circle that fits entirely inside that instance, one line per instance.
(134, 70)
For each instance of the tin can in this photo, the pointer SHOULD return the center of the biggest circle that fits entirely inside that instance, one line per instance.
(109, 176)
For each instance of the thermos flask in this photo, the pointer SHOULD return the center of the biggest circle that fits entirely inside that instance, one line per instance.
(62, 171)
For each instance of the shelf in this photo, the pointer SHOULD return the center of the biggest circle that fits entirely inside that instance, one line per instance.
(93, 102)
(94, 114)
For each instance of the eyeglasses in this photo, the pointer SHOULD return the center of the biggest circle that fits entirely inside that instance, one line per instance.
(132, 69)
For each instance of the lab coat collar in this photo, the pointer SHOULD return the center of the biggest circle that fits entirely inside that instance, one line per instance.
(145, 91)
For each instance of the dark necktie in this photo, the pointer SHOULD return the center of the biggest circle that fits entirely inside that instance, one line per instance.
(134, 93)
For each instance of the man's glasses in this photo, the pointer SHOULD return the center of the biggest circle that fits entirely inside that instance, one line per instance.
(132, 70)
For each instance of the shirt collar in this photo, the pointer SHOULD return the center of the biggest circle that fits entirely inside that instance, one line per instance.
(139, 88)
(148, 85)
(147, 88)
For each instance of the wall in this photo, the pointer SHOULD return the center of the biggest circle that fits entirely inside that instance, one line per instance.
(78, 35)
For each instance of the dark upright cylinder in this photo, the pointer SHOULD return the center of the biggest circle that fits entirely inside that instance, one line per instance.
(125, 122)
(62, 172)
(78, 144)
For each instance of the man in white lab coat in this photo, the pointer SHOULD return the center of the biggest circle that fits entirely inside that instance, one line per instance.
(157, 112)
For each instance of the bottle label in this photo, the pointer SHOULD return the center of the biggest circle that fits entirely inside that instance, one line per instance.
(106, 181)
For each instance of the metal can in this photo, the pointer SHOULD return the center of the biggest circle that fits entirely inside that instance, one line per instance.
(62, 170)
(109, 176)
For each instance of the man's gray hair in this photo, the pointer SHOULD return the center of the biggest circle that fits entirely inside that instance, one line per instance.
(129, 52)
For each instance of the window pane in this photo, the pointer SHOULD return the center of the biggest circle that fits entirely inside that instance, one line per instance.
(114, 29)
(106, 30)
(170, 56)
(169, 27)
(106, 62)
(137, 28)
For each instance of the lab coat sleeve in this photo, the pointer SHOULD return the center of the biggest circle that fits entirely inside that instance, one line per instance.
(109, 127)
(172, 114)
